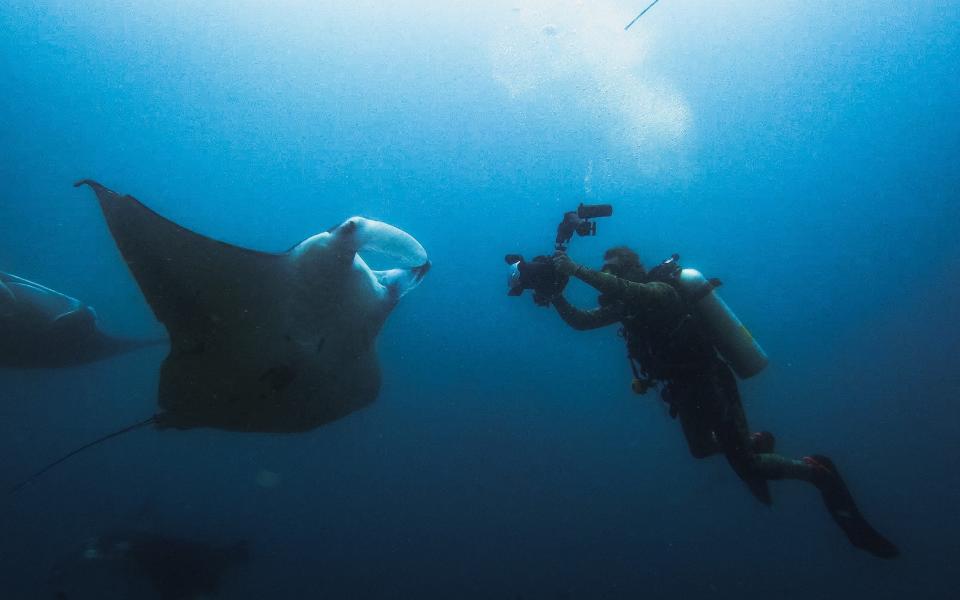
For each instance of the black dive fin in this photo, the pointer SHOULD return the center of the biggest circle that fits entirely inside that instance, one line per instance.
(844, 511)
(73, 453)
(760, 489)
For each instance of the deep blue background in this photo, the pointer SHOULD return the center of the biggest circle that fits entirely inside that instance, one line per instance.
(804, 152)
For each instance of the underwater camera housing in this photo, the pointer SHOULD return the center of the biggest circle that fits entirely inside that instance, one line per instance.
(538, 273)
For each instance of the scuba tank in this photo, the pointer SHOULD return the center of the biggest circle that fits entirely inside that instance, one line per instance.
(725, 330)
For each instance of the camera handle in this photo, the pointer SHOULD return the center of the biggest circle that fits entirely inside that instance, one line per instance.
(565, 230)
(578, 221)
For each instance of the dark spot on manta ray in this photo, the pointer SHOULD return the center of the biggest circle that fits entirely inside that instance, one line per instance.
(278, 377)
(320, 344)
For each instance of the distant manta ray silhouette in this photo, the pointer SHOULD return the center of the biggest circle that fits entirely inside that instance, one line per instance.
(43, 328)
(176, 568)
(262, 342)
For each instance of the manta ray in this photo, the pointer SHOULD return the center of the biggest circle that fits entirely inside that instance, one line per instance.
(259, 341)
(176, 568)
(42, 328)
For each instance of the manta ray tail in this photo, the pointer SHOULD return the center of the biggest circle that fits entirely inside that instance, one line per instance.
(73, 453)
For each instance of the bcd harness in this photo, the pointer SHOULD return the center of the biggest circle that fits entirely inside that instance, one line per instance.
(658, 352)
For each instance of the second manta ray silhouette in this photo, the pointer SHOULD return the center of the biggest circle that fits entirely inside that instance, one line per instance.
(265, 342)
(42, 328)
(176, 568)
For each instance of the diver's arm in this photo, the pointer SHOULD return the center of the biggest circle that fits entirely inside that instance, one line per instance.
(650, 294)
(582, 320)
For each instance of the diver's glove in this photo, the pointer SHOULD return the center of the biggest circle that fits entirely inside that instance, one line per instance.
(563, 264)
(545, 295)
(541, 298)
(551, 286)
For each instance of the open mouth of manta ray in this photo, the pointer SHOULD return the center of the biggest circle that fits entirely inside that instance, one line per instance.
(394, 256)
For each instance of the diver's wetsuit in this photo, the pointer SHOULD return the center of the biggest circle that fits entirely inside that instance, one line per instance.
(701, 389)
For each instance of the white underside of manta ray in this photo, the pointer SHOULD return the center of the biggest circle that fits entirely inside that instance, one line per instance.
(260, 341)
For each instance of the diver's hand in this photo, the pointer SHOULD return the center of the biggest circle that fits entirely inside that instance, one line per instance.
(563, 264)
(542, 299)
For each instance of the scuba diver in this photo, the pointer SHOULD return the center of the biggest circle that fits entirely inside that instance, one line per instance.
(670, 346)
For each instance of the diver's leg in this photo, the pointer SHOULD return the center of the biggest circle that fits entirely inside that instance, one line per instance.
(840, 504)
(734, 437)
(822, 473)
(686, 398)
(757, 468)
(762, 442)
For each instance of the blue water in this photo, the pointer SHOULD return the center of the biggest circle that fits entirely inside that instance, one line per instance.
(804, 152)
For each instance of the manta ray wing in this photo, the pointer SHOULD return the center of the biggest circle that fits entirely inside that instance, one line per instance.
(196, 286)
